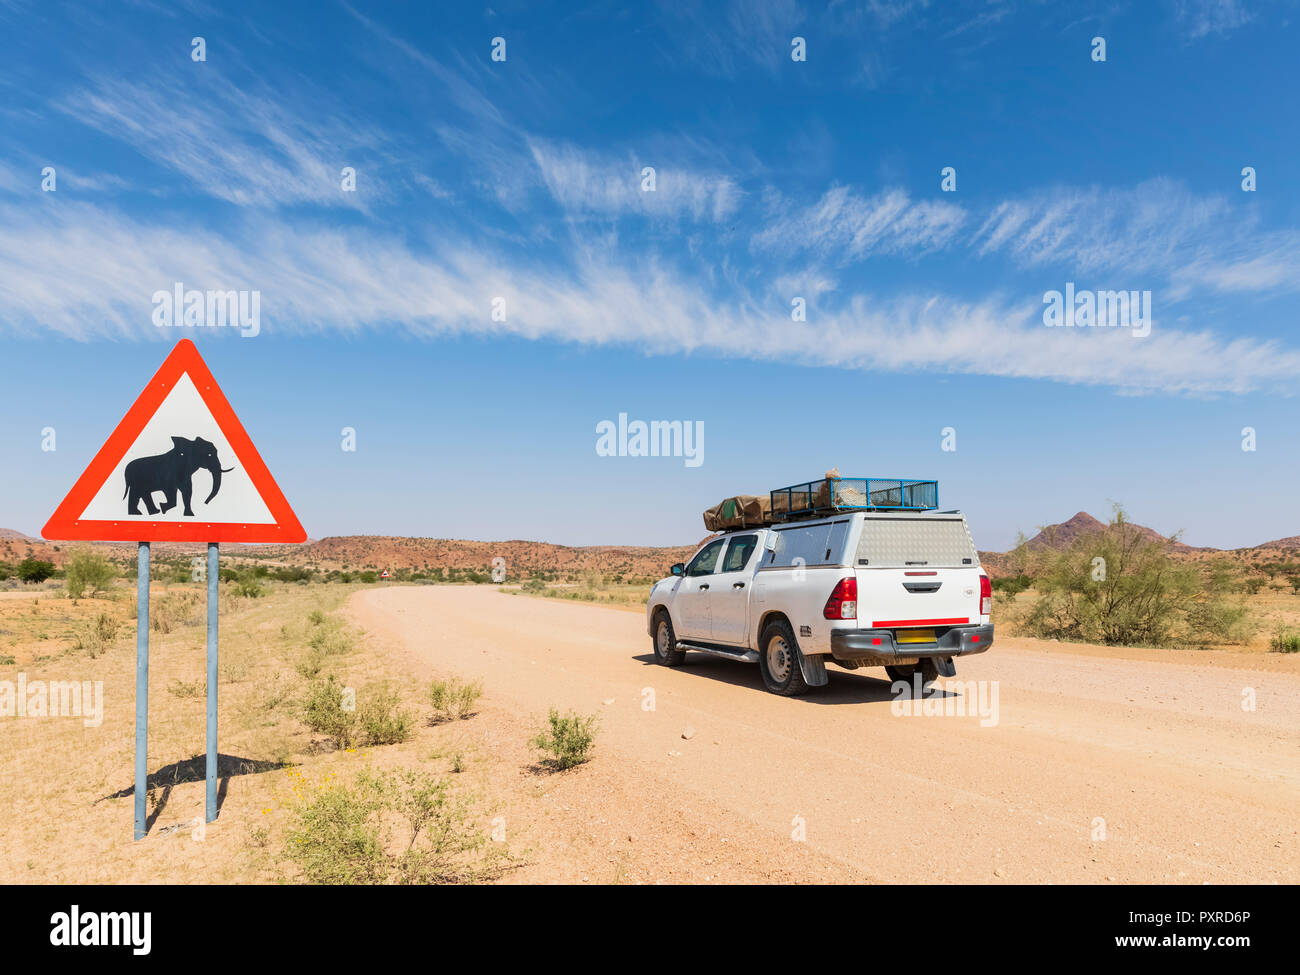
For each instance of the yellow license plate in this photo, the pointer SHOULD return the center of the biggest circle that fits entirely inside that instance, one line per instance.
(915, 636)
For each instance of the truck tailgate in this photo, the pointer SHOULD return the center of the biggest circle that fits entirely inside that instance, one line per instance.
(893, 597)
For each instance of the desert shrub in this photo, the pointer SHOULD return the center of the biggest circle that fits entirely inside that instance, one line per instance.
(34, 570)
(535, 584)
(331, 638)
(311, 664)
(248, 587)
(1285, 639)
(292, 573)
(568, 739)
(371, 718)
(98, 634)
(1012, 585)
(1293, 580)
(1118, 586)
(335, 839)
(369, 577)
(184, 607)
(329, 711)
(405, 827)
(381, 719)
(87, 570)
(452, 699)
(316, 617)
(191, 688)
(6, 571)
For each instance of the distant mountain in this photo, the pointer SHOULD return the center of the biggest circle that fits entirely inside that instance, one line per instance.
(1066, 533)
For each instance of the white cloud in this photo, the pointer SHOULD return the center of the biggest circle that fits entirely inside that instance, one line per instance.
(1158, 228)
(847, 226)
(590, 184)
(1200, 18)
(243, 148)
(86, 272)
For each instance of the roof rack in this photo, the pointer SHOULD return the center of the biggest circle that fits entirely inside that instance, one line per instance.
(830, 495)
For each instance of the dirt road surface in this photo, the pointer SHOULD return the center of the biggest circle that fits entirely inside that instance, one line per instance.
(1097, 769)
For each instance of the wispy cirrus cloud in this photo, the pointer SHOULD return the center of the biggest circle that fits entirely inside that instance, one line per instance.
(1201, 18)
(247, 149)
(86, 272)
(1159, 227)
(585, 183)
(847, 226)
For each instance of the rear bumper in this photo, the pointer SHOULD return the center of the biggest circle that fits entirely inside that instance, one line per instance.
(878, 646)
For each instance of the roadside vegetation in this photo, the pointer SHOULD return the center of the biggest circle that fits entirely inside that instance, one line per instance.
(567, 740)
(1120, 587)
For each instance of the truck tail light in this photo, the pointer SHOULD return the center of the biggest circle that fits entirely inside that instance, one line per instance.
(986, 596)
(842, 604)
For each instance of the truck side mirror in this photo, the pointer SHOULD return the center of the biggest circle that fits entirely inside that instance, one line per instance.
(679, 569)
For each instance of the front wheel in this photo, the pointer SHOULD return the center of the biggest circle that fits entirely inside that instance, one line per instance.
(778, 659)
(665, 642)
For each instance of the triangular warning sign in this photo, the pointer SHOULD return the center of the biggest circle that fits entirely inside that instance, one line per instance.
(178, 468)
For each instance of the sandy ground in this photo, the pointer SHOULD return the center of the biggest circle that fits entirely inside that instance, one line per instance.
(1101, 766)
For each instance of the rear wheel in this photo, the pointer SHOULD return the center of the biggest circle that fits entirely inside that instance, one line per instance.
(904, 672)
(665, 641)
(778, 659)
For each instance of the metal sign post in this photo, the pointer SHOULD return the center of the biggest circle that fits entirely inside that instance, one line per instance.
(141, 687)
(213, 579)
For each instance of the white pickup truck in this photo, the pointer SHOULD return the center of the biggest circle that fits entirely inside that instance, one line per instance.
(903, 590)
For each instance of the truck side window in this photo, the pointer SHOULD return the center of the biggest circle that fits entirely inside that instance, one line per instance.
(738, 554)
(704, 563)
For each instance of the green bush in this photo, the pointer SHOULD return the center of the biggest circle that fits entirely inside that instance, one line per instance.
(381, 719)
(34, 570)
(1119, 586)
(328, 711)
(336, 838)
(1012, 585)
(1286, 639)
(452, 699)
(87, 570)
(568, 739)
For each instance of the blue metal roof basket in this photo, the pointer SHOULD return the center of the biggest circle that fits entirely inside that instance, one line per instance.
(829, 495)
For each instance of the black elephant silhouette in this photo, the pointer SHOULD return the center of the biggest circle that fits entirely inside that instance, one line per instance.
(172, 473)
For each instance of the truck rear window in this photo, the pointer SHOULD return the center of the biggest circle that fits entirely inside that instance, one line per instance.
(915, 541)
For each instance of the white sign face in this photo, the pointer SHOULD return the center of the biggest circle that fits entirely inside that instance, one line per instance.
(169, 471)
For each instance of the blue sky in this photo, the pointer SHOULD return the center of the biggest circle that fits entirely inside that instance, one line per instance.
(775, 179)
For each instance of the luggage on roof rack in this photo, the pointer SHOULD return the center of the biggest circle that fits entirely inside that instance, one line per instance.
(742, 511)
(832, 494)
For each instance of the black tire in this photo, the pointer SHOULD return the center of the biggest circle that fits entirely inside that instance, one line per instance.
(905, 673)
(778, 659)
(671, 656)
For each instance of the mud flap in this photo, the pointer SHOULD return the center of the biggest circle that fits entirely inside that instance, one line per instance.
(814, 669)
(933, 668)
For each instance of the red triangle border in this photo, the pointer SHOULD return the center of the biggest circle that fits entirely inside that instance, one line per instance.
(65, 523)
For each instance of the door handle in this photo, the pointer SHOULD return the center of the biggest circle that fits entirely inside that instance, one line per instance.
(704, 586)
(737, 585)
